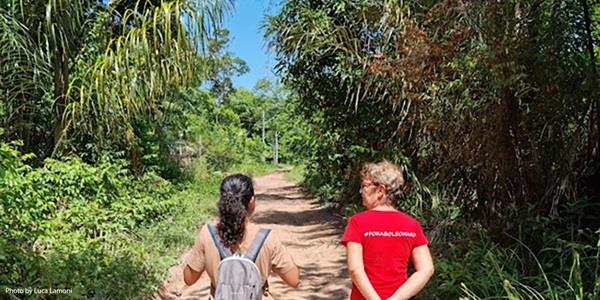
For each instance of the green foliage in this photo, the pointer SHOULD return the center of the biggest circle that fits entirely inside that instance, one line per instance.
(194, 124)
(127, 58)
(477, 109)
(70, 224)
(296, 142)
(491, 109)
(71, 216)
(480, 269)
(221, 139)
(222, 66)
(270, 109)
(137, 149)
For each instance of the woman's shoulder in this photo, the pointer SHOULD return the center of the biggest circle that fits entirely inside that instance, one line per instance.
(204, 234)
(361, 214)
(272, 243)
(252, 229)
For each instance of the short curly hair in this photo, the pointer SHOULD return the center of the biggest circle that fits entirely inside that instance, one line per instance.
(388, 175)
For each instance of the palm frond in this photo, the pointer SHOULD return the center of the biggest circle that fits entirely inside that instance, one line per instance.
(158, 54)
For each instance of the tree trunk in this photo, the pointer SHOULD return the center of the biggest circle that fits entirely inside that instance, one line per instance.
(137, 165)
(594, 138)
(61, 84)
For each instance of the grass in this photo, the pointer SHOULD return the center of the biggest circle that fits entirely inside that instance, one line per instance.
(254, 169)
(296, 174)
(167, 241)
(480, 269)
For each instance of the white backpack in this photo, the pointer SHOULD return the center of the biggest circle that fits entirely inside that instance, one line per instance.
(238, 277)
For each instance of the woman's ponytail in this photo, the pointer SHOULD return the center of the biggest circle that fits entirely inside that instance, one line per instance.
(236, 192)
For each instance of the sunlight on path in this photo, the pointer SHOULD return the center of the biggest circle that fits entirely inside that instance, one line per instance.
(310, 233)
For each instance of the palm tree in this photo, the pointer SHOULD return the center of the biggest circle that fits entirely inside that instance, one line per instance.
(91, 67)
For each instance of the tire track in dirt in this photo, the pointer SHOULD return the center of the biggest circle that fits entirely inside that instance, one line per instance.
(310, 233)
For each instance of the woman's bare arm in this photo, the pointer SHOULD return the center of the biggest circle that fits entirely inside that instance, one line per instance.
(423, 263)
(357, 271)
(291, 277)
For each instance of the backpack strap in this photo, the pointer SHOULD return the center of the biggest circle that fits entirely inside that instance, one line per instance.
(223, 252)
(257, 243)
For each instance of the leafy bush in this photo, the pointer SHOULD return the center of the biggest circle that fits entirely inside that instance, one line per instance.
(71, 225)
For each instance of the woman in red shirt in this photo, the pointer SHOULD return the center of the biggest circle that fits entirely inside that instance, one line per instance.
(381, 240)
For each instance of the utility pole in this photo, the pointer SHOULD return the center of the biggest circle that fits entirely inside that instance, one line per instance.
(263, 126)
(276, 148)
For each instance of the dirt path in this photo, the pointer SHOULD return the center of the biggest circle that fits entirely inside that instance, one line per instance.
(310, 233)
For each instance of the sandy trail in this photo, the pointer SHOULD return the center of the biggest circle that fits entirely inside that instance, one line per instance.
(311, 235)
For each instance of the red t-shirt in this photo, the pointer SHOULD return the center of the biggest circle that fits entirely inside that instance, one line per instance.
(387, 239)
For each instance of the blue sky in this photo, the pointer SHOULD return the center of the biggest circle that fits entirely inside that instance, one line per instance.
(246, 39)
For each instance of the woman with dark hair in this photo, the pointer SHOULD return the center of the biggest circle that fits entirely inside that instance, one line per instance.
(236, 233)
(382, 240)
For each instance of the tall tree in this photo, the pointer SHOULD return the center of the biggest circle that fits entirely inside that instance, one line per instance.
(222, 65)
(489, 97)
(97, 64)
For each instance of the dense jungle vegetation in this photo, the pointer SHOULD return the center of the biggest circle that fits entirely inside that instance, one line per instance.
(492, 107)
(118, 120)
